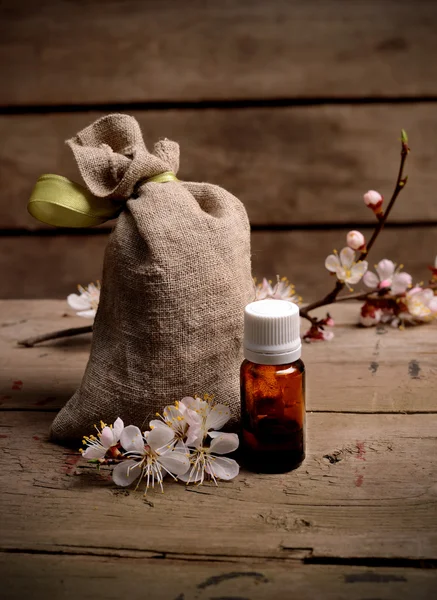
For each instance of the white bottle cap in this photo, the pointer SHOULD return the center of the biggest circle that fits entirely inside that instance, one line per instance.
(272, 332)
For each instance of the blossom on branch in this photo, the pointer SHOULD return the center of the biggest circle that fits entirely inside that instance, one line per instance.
(374, 200)
(344, 266)
(356, 240)
(421, 304)
(434, 271)
(87, 301)
(282, 290)
(388, 277)
(317, 334)
(370, 315)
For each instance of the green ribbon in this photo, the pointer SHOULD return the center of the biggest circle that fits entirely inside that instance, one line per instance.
(55, 200)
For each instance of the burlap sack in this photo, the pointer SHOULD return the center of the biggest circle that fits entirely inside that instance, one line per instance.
(176, 278)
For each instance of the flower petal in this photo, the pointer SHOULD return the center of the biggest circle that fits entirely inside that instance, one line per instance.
(328, 336)
(264, 290)
(224, 443)
(107, 437)
(126, 472)
(193, 403)
(433, 305)
(77, 302)
(132, 439)
(88, 314)
(94, 452)
(332, 263)
(371, 280)
(223, 468)
(194, 436)
(401, 282)
(191, 476)
(357, 271)
(385, 269)
(160, 438)
(175, 462)
(217, 417)
(347, 256)
(117, 429)
(171, 413)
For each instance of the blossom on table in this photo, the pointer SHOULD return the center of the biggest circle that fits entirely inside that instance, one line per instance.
(356, 240)
(209, 460)
(205, 417)
(107, 439)
(150, 457)
(344, 266)
(282, 290)
(388, 276)
(87, 301)
(184, 423)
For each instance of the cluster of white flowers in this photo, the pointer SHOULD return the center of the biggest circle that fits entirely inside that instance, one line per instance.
(397, 302)
(185, 443)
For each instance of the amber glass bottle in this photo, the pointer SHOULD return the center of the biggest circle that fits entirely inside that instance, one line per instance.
(272, 388)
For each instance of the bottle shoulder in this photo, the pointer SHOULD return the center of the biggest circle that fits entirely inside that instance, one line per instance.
(296, 367)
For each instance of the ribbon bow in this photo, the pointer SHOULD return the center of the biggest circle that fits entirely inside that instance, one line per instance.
(55, 200)
(114, 162)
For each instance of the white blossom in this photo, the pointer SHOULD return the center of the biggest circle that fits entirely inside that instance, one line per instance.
(87, 301)
(107, 437)
(209, 459)
(150, 457)
(373, 199)
(355, 240)
(344, 266)
(421, 304)
(388, 276)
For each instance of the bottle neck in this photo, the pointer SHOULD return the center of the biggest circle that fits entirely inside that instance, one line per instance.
(273, 358)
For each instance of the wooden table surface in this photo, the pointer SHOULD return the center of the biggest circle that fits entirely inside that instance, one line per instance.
(358, 520)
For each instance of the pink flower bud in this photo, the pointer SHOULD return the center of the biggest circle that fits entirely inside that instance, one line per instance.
(355, 240)
(373, 200)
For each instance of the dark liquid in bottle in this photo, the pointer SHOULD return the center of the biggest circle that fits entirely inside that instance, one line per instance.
(273, 416)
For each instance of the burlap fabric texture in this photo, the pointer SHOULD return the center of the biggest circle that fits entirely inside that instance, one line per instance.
(176, 279)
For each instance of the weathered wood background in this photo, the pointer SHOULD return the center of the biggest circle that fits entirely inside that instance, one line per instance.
(294, 106)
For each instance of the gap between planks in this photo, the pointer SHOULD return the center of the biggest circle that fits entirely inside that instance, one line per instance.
(300, 555)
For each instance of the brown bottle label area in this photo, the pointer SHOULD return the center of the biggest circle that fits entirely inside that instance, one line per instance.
(273, 416)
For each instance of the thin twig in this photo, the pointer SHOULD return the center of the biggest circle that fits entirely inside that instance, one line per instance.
(331, 297)
(54, 335)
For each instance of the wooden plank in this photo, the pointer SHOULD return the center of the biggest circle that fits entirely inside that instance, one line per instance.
(92, 577)
(366, 491)
(50, 267)
(366, 370)
(288, 165)
(136, 51)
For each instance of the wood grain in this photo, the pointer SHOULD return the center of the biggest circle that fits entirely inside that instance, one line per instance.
(135, 51)
(289, 166)
(361, 370)
(67, 577)
(51, 267)
(366, 490)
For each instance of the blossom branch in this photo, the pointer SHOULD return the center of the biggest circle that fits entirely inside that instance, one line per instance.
(331, 297)
(54, 335)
